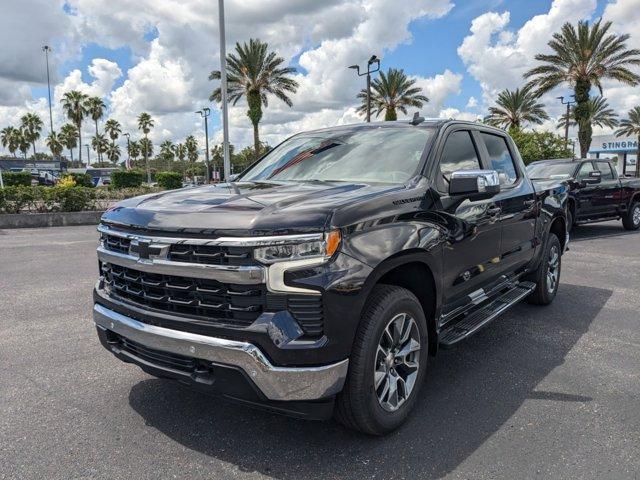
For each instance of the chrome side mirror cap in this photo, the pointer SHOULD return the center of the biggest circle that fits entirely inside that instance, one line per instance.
(474, 183)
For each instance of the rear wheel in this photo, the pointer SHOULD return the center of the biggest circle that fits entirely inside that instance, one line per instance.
(631, 221)
(547, 276)
(387, 364)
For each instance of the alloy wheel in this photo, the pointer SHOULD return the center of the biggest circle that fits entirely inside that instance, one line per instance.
(553, 268)
(636, 215)
(397, 362)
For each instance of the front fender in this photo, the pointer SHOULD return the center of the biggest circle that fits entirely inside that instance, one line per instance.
(386, 247)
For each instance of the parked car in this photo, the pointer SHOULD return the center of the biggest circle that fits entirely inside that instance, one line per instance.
(322, 278)
(596, 192)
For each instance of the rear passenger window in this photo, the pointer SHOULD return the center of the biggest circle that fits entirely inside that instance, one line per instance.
(605, 170)
(500, 157)
(459, 153)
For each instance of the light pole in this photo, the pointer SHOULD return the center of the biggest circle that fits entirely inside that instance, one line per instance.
(204, 113)
(373, 60)
(46, 49)
(128, 162)
(88, 156)
(223, 91)
(568, 103)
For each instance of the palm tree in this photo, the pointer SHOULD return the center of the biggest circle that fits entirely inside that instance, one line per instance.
(95, 108)
(113, 129)
(73, 104)
(583, 57)
(23, 143)
(254, 72)
(69, 137)
(192, 148)
(9, 138)
(180, 151)
(134, 149)
(55, 144)
(599, 114)
(113, 152)
(31, 127)
(391, 92)
(514, 108)
(166, 150)
(145, 123)
(631, 126)
(100, 144)
(146, 149)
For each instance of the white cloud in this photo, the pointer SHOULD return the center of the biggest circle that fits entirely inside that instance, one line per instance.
(28, 25)
(497, 58)
(472, 102)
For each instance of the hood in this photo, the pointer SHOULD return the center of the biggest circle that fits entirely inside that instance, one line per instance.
(250, 208)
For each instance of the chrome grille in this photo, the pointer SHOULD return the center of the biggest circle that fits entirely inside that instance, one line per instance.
(211, 254)
(234, 305)
(116, 244)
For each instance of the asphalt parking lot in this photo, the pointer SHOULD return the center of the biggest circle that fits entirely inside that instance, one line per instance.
(544, 392)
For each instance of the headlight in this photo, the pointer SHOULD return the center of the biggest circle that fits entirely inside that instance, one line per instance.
(321, 248)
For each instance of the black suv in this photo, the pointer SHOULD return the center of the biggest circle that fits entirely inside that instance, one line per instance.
(319, 281)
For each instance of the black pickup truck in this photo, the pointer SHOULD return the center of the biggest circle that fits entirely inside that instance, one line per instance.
(596, 193)
(319, 281)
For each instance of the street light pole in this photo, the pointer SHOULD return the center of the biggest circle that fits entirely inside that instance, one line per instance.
(373, 60)
(46, 49)
(223, 91)
(568, 103)
(88, 156)
(204, 113)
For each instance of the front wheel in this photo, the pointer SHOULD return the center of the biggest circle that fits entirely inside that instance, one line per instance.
(387, 364)
(631, 221)
(547, 275)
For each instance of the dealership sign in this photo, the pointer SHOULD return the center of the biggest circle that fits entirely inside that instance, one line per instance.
(611, 143)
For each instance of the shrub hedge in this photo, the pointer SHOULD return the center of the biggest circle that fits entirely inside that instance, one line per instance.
(14, 179)
(81, 179)
(169, 180)
(41, 199)
(126, 179)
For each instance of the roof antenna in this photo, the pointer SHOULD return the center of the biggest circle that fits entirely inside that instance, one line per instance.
(417, 119)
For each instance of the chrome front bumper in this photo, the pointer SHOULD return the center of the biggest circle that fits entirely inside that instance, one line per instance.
(276, 383)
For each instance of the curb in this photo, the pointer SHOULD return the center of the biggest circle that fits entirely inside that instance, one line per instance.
(53, 219)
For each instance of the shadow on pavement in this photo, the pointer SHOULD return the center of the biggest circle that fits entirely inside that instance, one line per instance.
(471, 391)
(592, 231)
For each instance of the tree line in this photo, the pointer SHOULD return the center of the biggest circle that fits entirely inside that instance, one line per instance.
(581, 57)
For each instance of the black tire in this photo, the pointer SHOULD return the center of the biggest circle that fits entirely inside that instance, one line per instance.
(546, 288)
(358, 406)
(631, 221)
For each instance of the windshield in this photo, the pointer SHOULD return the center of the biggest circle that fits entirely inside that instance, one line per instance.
(376, 155)
(551, 170)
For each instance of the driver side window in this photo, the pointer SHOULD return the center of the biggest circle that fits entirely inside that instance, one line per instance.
(459, 153)
(585, 169)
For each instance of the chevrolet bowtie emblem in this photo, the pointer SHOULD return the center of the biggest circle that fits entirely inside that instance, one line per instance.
(144, 249)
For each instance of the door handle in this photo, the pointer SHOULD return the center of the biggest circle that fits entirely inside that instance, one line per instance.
(529, 203)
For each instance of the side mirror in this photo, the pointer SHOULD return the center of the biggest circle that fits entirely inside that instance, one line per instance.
(593, 178)
(474, 184)
(232, 177)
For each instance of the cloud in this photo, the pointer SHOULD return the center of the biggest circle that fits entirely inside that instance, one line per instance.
(27, 26)
(497, 58)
